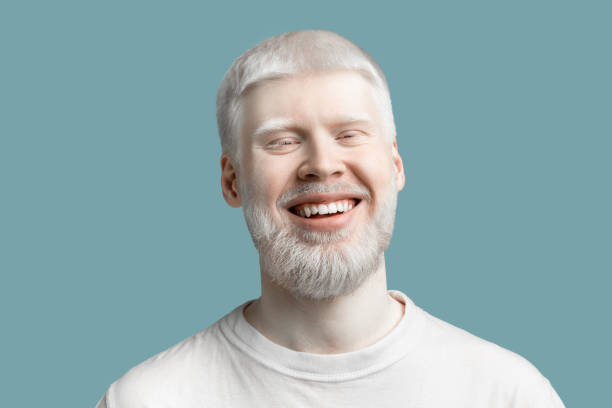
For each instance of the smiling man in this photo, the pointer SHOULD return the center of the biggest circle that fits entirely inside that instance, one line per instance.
(310, 154)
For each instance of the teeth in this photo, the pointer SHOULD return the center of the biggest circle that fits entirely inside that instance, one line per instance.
(323, 209)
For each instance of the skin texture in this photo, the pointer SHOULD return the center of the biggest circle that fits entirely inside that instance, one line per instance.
(318, 128)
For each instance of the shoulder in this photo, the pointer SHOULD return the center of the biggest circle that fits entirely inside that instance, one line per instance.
(459, 346)
(477, 363)
(168, 375)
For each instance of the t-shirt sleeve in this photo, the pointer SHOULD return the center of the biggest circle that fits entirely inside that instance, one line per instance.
(550, 398)
(102, 402)
(538, 395)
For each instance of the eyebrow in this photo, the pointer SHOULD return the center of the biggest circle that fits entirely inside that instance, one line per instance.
(351, 119)
(279, 124)
(273, 125)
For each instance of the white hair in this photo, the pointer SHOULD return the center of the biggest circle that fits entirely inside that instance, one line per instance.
(300, 52)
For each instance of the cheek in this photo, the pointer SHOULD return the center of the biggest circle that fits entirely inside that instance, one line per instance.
(377, 174)
(376, 167)
(267, 178)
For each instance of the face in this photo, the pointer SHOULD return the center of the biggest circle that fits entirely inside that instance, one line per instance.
(318, 179)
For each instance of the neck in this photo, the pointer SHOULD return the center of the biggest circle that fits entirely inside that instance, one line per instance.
(343, 324)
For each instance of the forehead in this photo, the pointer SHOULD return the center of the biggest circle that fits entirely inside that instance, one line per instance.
(310, 99)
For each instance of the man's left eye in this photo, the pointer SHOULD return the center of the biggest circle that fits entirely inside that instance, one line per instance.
(351, 137)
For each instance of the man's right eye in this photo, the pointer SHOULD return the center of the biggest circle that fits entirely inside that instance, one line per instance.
(283, 144)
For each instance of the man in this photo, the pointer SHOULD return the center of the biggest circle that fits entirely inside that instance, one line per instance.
(309, 152)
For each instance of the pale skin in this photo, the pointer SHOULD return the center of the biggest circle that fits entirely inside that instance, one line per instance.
(322, 127)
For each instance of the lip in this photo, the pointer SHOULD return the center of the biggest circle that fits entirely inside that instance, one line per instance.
(328, 223)
(322, 198)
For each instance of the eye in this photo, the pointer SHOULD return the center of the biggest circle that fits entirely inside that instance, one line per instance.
(352, 137)
(282, 144)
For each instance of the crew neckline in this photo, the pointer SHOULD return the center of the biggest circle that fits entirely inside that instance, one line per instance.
(326, 367)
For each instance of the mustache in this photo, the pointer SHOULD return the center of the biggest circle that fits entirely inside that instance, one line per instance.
(315, 188)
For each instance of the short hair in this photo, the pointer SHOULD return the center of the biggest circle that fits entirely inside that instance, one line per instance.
(285, 55)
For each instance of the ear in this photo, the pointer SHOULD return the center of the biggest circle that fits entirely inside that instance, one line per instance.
(229, 182)
(400, 177)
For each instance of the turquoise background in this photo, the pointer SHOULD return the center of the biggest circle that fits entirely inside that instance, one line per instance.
(115, 241)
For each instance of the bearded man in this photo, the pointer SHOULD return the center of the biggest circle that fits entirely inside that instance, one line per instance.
(310, 153)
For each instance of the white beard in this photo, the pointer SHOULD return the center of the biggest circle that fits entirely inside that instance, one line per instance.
(320, 265)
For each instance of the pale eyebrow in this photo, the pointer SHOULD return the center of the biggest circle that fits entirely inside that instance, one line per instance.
(273, 125)
(280, 124)
(352, 119)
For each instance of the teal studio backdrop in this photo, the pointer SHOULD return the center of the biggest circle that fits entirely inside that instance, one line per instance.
(115, 240)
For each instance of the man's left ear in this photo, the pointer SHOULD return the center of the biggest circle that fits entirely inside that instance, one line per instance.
(398, 165)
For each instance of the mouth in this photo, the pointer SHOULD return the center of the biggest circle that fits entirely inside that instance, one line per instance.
(324, 209)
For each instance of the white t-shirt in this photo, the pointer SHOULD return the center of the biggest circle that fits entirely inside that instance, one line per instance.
(422, 363)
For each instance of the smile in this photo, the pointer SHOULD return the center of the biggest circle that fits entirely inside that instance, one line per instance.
(318, 210)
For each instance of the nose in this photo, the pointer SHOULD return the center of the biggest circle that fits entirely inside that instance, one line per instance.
(323, 159)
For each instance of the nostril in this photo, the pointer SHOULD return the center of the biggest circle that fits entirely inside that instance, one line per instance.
(319, 166)
(319, 174)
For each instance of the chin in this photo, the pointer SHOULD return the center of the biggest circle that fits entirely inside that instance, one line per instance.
(318, 266)
(321, 265)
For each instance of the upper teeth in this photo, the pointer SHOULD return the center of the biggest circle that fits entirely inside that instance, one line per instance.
(306, 210)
